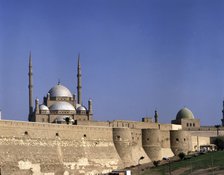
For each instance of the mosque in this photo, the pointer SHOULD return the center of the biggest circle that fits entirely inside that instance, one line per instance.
(59, 105)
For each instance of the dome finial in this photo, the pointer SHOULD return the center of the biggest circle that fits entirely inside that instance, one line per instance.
(59, 81)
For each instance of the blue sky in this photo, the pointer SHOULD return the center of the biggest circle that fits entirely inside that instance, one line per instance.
(136, 55)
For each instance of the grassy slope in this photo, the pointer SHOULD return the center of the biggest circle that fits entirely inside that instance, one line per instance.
(208, 160)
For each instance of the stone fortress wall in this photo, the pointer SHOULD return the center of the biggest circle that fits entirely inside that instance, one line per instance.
(53, 149)
(37, 148)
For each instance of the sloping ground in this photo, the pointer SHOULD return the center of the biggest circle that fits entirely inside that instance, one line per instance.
(209, 163)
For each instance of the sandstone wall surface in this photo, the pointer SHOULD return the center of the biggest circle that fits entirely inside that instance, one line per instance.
(48, 149)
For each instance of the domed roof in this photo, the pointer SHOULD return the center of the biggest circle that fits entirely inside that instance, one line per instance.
(81, 108)
(62, 105)
(59, 91)
(184, 113)
(43, 108)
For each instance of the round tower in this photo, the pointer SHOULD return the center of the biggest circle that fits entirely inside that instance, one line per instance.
(122, 141)
(180, 141)
(151, 143)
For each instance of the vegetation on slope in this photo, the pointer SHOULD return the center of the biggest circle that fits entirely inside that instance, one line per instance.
(210, 162)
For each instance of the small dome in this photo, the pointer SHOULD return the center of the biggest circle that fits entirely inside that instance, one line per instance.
(44, 108)
(60, 118)
(62, 106)
(184, 113)
(59, 91)
(81, 108)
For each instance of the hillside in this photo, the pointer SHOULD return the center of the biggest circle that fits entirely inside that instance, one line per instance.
(208, 163)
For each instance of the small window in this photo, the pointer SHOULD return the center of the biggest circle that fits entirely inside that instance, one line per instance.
(84, 135)
(187, 124)
(57, 134)
(147, 139)
(118, 137)
(193, 124)
(177, 139)
(26, 132)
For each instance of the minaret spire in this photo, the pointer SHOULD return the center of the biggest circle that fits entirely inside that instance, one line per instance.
(222, 113)
(30, 86)
(79, 82)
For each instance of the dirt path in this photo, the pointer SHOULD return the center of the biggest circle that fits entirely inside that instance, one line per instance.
(180, 171)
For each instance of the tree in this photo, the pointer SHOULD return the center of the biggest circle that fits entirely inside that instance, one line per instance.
(219, 142)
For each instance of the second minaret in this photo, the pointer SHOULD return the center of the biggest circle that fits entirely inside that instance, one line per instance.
(79, 83)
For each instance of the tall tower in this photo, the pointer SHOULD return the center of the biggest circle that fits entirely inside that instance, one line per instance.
(30, 86)
(222, 113)
(79, 83)
(156, 116)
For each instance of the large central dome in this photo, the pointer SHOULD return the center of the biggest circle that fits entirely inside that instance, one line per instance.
(184, 113)
(59, 91)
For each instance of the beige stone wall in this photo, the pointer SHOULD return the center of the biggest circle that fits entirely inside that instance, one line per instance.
(132, 124)
(176, 127)
(166, 127)
(91, 147)
(206, 133)
(93, 123)
(190, 123)
(197, 141)
(37, 148)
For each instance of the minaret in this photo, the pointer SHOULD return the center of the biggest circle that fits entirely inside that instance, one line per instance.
(30, 86)
(222, 113)
(90, 109)
(156, 116)
(79, 83)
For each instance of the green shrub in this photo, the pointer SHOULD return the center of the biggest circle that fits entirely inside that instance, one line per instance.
(219, 142)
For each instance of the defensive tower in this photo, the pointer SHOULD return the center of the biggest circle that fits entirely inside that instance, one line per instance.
(180, 141)
(151, 143)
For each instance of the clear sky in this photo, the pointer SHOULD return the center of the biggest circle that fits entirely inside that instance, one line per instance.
(136, 55)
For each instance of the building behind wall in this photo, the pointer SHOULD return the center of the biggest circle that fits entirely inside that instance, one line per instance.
(186, 119)
(59, 105)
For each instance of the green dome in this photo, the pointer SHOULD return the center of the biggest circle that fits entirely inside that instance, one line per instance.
(184, 113)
